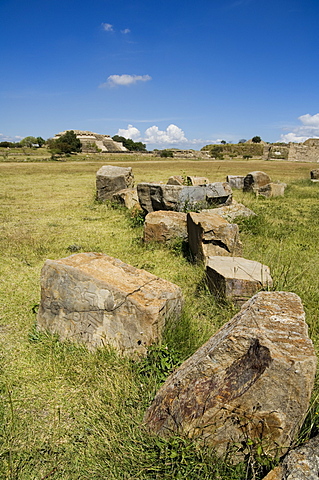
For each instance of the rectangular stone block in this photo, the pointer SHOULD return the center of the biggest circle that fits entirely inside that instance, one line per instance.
(111, 179)
(98, 300)
(163, 226)
(235, 278)
(209, 234)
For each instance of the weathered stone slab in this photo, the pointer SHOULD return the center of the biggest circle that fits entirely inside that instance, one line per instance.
(272, 190)
(210, 234)
(98, 300)
(157, 196)
(194, 181)
(252, 381)
(235, 181)
(111, 179)
(236, 278)
(163, 226)
(254, 180)
(232, 211)
(301, 463)
(127, 197)
(175, 180)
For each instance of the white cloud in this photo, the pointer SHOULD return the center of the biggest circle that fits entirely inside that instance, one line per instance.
(172, 135)
(130, 132)
(7, 138)
(107, 27)
(115, 80)
(125, 31)
(308, 129)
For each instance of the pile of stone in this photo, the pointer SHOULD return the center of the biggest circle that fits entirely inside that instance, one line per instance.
(258, 183)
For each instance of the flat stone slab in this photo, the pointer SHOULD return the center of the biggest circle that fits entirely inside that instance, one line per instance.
(111, 179)
(97, 300)
(236, 278)
(193, 180)
(209, 234)
(252, 380)
(232, 211)
(163, 226)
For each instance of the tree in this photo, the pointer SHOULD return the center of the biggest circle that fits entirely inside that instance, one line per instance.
(256, 139)
(67, 143)
(130, 144)
(223, 142)
(40, 141)
(28, 142)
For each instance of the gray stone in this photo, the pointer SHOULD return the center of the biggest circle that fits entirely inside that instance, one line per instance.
(252, 381)
(235, 181)
(97, 300)
(157, 196)
(163, 226)
(111, 179)
(210, 234)
(235, 278)
(232, 211)
(254, 180)
(271, 190)
(127, 197)
(301, 463)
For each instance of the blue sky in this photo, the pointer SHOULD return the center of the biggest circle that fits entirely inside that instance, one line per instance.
(169, 73)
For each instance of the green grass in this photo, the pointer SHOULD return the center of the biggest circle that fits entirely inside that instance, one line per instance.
(69, 414)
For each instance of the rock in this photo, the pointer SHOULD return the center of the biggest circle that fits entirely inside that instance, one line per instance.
(111, 179)
(175, 180)
(235, 278)
(254, 180)
(314, 174)
(162, 226)
(272, 190)
(127, 197)
(251, 381)
(98, 300)
(232, 211)
(210, 234)
(301, 463)
(157, 196)
(194, 181)
(235, 181)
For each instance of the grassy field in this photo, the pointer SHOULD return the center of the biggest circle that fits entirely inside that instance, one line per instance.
(69, 414)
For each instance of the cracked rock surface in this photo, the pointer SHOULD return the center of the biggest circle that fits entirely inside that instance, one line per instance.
(98, 300)
(251, 381)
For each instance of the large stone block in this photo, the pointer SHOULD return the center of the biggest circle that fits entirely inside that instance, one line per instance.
(111, 179)
(191, 180)
(98, 300)
(254, 180)
(272, 190)
(158, 196)
(210, 234)
(236, 278)
(235, 181)
(163, 226)
(250, 384)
